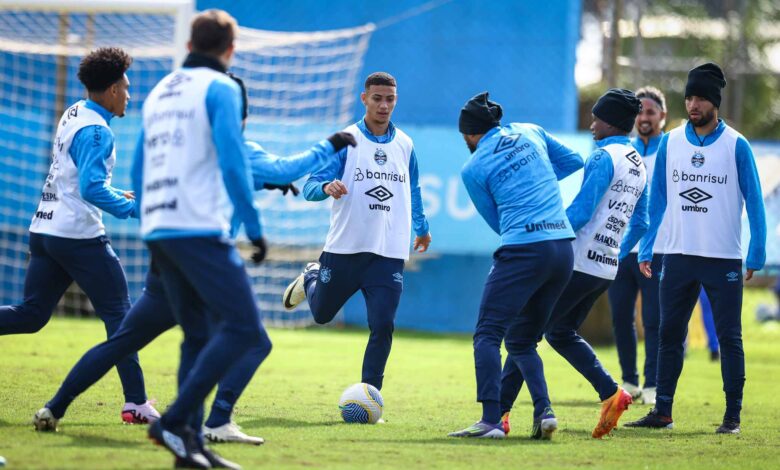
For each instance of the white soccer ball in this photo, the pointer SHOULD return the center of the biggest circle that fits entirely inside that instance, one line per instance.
(766, 313)
(361, 403)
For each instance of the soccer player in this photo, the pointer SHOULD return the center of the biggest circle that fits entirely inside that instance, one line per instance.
(151, 316)
(608, 216)
(705, 173)
(629, 281)
(68, 241)
(377, 201)
(190, 154)
(512, 178)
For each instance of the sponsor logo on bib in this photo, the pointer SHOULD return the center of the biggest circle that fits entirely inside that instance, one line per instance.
(696, 196)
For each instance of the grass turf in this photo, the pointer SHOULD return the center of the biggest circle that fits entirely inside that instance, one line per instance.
(429, 391)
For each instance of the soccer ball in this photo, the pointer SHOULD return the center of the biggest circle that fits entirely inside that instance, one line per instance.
(361, 403)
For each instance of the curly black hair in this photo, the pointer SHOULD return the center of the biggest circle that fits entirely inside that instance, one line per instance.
(103, 67)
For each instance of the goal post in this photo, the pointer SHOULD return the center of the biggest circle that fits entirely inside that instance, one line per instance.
(302, 86)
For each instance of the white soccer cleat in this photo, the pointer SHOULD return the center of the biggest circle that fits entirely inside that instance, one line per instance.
(296, 291)
(140, 414)
(230, 432)
(44, 421)
(632, 390)
(648, 396)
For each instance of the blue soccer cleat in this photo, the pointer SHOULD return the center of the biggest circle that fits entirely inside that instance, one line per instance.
(481, 429)
(544, 425)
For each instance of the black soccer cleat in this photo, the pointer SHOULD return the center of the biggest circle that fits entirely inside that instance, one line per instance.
(217, 461)
(181, 442)
(652, 420)
(544, 425)
(729, 426)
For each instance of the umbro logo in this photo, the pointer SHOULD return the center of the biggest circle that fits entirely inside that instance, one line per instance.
(695, 195)
(506, 142)
(634, 158)
(380, 193)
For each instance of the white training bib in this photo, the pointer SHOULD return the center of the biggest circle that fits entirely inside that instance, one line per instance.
(597, 245)
(375, 216)
(703, 199)
(182, 182)
(62, 212)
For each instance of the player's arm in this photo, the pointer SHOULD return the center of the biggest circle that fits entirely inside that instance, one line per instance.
(224, 112)
(598, 175)
(422, 239)
(565, 161)
(332, 172)
(91, 147)
(137, 171)
(637, 226)
(481, 197)
(656, 208)
(750, 185)
(276, 170)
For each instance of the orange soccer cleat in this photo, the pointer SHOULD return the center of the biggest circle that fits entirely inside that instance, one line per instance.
(611, 410)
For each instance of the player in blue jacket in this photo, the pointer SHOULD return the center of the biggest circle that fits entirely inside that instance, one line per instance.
(151, 316)
(512, 179)
(704, 175)
(68, 241)
(608, 216)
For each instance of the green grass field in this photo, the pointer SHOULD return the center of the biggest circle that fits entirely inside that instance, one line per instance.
(429, 391)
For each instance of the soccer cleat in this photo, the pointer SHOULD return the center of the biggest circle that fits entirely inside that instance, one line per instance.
(181, 442)
(296, 291)
(544, 425)
(632, 390)
(44, 421)
(652, 420)
(648, 396)
(505, 423)
(230, 432)
(611, 410)
(481, 429)
(715, 356)
(140, 414)
(217, 461)
(729, 426)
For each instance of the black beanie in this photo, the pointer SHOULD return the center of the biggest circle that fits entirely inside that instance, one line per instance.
(706, 81)
(618, 107)
(479, 115)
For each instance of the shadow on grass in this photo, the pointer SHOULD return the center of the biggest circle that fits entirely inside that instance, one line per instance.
(279, 422)
(87, 440)
(577, 404)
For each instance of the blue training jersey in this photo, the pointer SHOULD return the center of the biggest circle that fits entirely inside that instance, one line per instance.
(512, 179)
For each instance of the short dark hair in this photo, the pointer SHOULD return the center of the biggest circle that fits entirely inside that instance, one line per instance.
(213, 32)
(103, 67)
(380, 78)
(654, 94)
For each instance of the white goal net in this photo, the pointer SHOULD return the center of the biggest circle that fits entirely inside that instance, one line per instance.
(302, 87)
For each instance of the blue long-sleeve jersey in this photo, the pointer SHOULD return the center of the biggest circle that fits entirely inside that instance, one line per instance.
(90, 148)
(269, 168)
(334, 169)
(223, 107)
(749, 185)
(512, 179)
(599, 171)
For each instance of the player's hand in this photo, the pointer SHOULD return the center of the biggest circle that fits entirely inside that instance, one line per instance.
(339, 140)
(645, 269)
(335, 189)
(129, 195)
(421, 243)
(284, 188)
(261, 250)
(749, 274)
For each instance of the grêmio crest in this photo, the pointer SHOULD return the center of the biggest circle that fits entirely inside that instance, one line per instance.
(697, 160)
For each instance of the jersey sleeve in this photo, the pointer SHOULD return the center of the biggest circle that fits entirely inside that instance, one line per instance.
(333, 169)
(598, 175)
(90, 148)
(274, 169)
(657, 205)
(565, 161)
(419, 222)
(750, 185)
(637, 226)
(481, 197)
(224, 111)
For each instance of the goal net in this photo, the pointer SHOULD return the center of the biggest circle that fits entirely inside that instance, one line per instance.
(302, 87)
